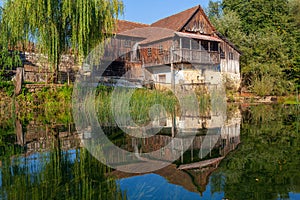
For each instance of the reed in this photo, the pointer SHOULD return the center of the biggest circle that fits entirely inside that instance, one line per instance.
(54, 104)
(140, 103)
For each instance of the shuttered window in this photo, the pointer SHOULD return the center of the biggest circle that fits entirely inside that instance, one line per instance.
(149, 53)
(162, 78)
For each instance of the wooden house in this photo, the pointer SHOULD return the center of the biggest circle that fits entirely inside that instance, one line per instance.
(184, 48)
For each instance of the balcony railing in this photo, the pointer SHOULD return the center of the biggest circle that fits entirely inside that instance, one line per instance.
(185, 56)
(179, 56)
(196, 56)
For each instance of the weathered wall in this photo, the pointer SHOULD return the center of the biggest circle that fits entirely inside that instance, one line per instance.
(199, 23)
(160, 53)
(230, 65)
(38, 69)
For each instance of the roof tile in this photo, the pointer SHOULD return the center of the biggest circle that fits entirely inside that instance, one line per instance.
(177, 21)
(149, 34)
(123, 25)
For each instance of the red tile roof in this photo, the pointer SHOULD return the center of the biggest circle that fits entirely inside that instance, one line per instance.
(150, 34)
(123, 25)
(177, 21)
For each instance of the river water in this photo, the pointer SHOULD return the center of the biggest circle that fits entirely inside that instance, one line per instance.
(254, 154)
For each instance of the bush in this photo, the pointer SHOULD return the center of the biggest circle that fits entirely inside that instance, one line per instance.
(264, 86)
(7, 87)
(268, 85)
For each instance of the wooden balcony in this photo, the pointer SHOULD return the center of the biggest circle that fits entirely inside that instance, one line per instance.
(179, 56)
(196, 56)
(184, 56)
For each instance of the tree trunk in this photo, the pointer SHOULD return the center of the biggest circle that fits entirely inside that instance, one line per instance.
(19, 80)
(55, 76)
(19, 132)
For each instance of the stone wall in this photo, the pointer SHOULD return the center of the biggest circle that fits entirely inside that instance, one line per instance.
(39, 138)
(38, 69)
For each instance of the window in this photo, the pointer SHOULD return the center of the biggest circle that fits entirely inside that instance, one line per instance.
(138, 54)
(224, 143)
(230, 56)
(222, 54)
(149, 53)
(127, 43)
(185, 43)
(231, 140)
(204, 45)
(160, 50)
(177, 44)
(195, 44)
(162, 78)
(214, 46)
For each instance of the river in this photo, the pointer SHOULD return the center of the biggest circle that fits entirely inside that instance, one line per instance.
(253, 154)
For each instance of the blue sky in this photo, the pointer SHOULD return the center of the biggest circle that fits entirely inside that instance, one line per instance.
(149, 11)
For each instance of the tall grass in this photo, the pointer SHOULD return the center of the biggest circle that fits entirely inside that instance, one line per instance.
(49, 105)
(141, 102)
(54, 104)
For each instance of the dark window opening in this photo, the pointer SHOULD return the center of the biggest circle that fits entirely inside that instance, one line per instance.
(222, 54)
(214, 46)
(138, 54)
(232, 140)
(224, 143)
(204, 45)
(230, 55)
(195, 44)
(185, 43)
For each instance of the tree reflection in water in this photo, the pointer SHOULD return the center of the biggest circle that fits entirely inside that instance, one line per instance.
(57, 174)
(266, 165)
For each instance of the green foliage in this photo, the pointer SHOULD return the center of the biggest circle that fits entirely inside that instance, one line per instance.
(54, 105)
(58, 26)
(57, 174)
(230, 25)
(267, 33)
(140, 104)
(50, 105)
(294, 6)
(8, 59)
(265, 165)
(7, 87)
(291, 100)
(259, 14)
(214, 9)
(143, 100)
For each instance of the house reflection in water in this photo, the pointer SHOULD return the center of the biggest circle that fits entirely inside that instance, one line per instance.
(217, 135)
(209, 147)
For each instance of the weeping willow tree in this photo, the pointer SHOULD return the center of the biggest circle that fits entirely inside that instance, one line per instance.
(58, 26)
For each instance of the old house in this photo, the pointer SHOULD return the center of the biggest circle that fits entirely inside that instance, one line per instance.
(183, 48)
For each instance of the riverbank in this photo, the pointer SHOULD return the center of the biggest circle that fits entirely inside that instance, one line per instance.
(55, 102)
(252, 99)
